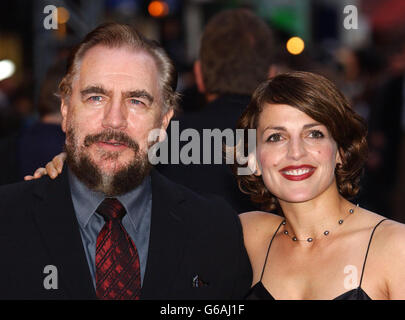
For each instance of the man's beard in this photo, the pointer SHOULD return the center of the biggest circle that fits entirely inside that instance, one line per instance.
(86, 170)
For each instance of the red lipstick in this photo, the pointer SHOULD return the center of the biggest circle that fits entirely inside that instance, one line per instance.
(297, 173)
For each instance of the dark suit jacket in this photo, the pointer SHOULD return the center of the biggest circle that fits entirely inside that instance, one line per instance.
(222, 113)
(190, 236)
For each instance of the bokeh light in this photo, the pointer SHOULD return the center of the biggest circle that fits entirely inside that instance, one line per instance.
(63, 15)
(295, 45)
(158, 9)
(7, 69)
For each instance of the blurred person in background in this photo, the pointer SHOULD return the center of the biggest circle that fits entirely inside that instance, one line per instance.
(9, 117)
(387, 134)
(33, 145)
(22, 102)
(363, 73)
(236, 54)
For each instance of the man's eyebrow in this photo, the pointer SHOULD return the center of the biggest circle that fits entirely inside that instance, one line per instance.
(138, 94)
(94, 89)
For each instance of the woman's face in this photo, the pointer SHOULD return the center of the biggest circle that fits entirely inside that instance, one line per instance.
(296, 155)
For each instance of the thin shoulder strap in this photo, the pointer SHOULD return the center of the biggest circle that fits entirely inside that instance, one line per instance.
(365, 259)
(268, 249)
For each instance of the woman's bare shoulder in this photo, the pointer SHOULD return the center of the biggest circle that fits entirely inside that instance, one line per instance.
(387, 229)
(389, 252)
(389, 236)
(258, 224)
(258, 218)
(392, 234)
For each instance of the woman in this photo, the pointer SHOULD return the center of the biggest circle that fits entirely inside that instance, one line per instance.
(310, 150)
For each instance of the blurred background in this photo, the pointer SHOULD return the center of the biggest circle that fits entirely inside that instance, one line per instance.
(360, 47)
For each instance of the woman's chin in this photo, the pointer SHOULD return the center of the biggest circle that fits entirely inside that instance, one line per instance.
(297, 197)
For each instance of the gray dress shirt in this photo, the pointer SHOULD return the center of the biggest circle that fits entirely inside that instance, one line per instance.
(138, 204)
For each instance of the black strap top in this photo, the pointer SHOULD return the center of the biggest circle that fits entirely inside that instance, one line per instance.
(259, 292)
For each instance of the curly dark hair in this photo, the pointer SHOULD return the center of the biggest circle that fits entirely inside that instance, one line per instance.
(320, 99)
(237, 50)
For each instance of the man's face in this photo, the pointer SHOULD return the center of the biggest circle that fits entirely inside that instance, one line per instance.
(115, 102)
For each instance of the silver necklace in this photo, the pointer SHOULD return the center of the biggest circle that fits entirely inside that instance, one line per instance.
(325, 233)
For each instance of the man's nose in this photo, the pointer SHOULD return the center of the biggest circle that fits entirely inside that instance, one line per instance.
(115, 115)
(296, 149)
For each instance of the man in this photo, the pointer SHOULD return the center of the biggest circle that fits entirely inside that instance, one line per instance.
(111, 227)
(236, 54)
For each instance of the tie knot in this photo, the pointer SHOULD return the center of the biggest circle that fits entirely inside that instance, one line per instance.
(111, 209)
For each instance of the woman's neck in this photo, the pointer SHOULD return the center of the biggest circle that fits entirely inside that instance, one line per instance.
(310, 219)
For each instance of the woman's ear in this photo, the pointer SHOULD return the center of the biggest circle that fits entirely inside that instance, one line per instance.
(339, 157)
(253, 164)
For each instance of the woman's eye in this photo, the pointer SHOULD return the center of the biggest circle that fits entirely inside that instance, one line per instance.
(316, 134)
(275, 137)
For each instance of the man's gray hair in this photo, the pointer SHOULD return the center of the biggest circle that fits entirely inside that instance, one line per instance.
(115, 35)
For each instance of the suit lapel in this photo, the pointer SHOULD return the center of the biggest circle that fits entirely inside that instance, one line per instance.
(167, 239)
(59, 229)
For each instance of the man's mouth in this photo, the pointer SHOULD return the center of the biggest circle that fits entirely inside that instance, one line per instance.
(112, 145)
(297, 173)
(111, 141)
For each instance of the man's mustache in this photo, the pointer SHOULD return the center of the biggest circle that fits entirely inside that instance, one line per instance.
(116, 136)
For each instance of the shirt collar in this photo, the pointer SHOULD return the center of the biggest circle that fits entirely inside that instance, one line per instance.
(86, 201)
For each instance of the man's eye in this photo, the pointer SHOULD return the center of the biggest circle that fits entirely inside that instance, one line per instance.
(316, 134)
(275, 137)
(136, 102)
(95, 99)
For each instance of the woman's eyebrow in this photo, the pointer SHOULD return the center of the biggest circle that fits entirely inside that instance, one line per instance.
(281, 128)
(275, 128)
(310, 125)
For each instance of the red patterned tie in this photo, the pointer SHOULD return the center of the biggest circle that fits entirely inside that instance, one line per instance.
(117, 262)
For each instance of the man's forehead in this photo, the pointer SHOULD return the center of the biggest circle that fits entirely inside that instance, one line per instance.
(106, 67)
(104, 51)
(124, 60)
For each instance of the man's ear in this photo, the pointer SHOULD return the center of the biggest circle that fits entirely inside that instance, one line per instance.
(199, 77)
(64, 112)
(166, 119)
